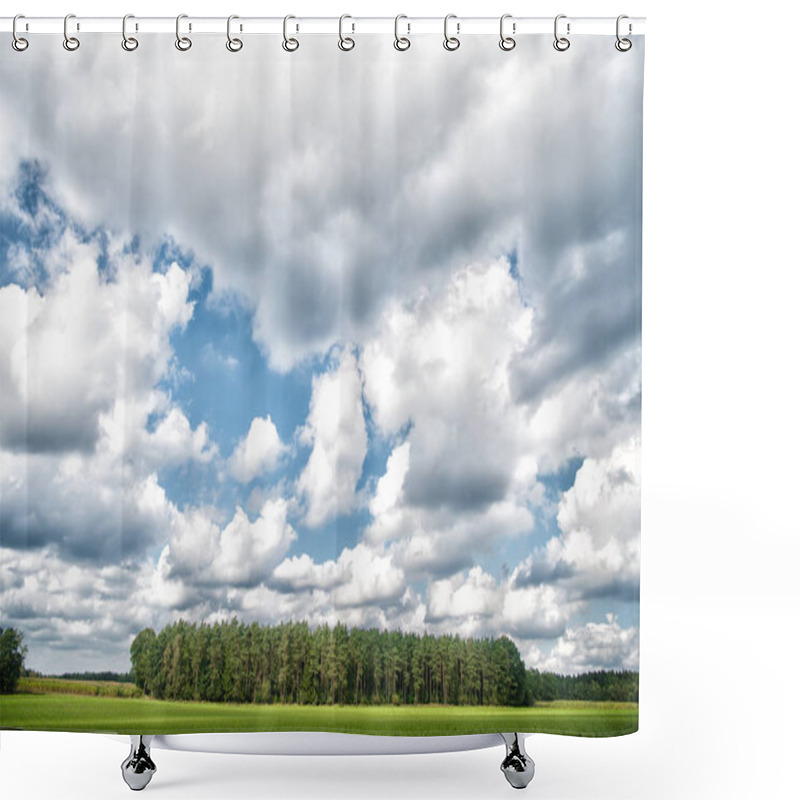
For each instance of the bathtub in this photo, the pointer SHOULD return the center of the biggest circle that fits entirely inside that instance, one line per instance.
(139, 767)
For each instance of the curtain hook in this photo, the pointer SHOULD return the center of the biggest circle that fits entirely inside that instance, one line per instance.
(71, 43)
(289, 44)
(346, 42)
(506, 42)
(451, 42)
(183, 43)
(623, 45)
(129, 43)
(561, 43)
(233, 44)
(18, 43)
(401, 42)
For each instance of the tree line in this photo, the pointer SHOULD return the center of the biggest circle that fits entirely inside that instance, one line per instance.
(103, 675)
(621, 686)
(293, 663)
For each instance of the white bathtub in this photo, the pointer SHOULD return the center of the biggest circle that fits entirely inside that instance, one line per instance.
(139, 767)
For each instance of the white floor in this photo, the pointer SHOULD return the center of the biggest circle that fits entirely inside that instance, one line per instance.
(44, 765)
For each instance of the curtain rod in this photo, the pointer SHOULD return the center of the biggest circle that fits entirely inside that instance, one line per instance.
(325, 25)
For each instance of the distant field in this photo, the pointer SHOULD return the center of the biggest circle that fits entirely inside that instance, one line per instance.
(94, 707)
(62, 686)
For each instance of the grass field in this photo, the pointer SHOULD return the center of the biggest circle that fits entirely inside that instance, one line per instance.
(70, 706)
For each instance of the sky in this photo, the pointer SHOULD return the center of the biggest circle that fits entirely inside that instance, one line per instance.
(326, 336)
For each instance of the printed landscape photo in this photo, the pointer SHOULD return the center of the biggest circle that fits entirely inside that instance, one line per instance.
(318, 420)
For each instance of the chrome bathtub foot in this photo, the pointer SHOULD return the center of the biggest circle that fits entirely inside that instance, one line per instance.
(138, 768)
(517, 766)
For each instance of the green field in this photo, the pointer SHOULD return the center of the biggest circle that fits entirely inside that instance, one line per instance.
(49, 704)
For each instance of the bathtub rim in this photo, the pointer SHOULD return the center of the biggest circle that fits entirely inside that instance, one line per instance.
(304, 743)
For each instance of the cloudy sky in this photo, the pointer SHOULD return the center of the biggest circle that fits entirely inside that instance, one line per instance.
(323, 335)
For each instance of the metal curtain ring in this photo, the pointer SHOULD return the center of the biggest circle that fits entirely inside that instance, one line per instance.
(233, 44)
(129, 43)
(561, 43)
(623, 45)
(506, 42)
(401, 42)
(18, 43)
(345, 42)
(70, 42)
(451, 42)
(183, 43)
(290, 44)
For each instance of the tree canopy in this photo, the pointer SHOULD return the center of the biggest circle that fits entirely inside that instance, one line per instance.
(293, 663)
(12, 657)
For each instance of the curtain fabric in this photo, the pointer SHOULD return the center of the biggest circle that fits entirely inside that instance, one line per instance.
(320, 377)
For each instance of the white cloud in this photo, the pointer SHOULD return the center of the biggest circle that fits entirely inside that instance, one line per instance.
(124, 433)
(81, 616)
(594, 646)
(248, 550)
(389, 489)
(174, 442)
(300, 573)
(364, 582)
(470, 595)
(338, 434)
(258, 452)
(536, 612)
(589, 412)
(604, 500)
(464, 475)
(70, 351)
(315, 606)
(84, 428)
(597, 553)
(193, 543)
(371, 578)
(244, 552)
(439, 543)
(360, 576)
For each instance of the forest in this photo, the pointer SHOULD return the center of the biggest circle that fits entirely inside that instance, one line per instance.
(293, 663)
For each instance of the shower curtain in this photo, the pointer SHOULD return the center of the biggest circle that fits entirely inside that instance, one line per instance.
(320, 372)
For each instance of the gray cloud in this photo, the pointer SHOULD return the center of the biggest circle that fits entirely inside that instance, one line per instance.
(459, 485)
(102, 514)
(538, 570)
(590, 312)
(325, 217)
